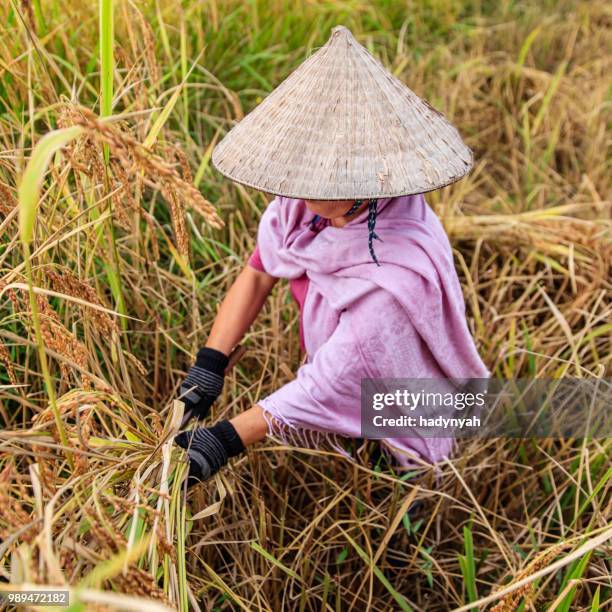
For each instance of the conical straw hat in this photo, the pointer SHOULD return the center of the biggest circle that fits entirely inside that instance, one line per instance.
(342, 127)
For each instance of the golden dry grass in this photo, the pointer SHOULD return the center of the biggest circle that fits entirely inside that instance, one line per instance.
(127, 271)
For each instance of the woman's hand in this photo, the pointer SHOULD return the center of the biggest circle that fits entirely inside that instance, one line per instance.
(204, 382)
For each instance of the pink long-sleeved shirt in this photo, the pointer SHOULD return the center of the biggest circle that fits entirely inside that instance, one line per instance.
(402, 319)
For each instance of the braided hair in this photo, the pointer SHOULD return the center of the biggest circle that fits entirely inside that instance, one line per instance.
(372, 212)
(318, 222)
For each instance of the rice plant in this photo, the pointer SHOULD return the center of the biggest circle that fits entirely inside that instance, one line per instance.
(118, 240)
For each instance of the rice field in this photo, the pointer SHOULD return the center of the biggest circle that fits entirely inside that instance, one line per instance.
(118, 239)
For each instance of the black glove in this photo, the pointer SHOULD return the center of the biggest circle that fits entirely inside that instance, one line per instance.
(204, 382)
(209, 449)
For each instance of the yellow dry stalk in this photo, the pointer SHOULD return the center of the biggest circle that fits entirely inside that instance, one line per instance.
(157, 173)
(149, 49)
(5, 358)
(70, 403)
(151, 222)
(60, 340)
(68, 283)
(177, 214)
(512, 600)
(139, 582)
(13, 516)
(12, 294)
(28, 12)
(8, 202)
(130, 158)
(175, 152)
(110, 542)
(82, 154)
(124, 203)
(136, 363)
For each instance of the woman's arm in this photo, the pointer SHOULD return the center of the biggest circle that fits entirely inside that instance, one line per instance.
(239, 308)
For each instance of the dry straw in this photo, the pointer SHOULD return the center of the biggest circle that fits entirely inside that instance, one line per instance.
(530, 231)
(343, 127)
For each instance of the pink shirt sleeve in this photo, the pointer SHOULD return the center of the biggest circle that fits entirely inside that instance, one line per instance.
(255, 260)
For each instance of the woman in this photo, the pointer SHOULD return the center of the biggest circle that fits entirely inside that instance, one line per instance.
(349, 150)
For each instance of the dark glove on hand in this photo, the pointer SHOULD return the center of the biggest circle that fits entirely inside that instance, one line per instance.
(204, 382)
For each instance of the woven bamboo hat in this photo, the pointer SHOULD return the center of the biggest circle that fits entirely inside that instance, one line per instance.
(342, 127)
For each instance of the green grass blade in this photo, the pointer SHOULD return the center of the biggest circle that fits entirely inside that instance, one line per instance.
(527, 45)
(399, 598)
(107, 63)
(264, 553)
(575, 572)
(31, 181)
(595, 602)
(467, 564)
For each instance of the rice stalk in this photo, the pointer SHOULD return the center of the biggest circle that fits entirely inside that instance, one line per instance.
(527, 87)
